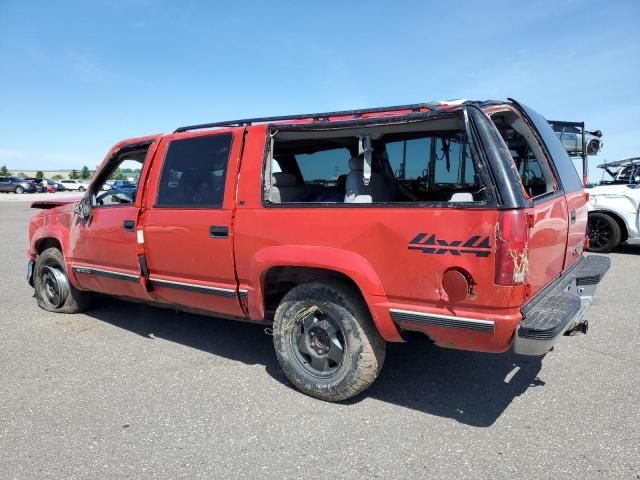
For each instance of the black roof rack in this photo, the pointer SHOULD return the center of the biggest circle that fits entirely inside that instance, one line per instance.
(315, 116)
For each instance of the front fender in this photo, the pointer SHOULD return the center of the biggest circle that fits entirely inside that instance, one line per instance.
(43, 227)
(42, 232)
(350, 264)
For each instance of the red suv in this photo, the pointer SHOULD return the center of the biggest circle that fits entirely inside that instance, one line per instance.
(343, 230)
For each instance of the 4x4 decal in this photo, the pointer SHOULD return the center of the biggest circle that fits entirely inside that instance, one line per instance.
(475, 245)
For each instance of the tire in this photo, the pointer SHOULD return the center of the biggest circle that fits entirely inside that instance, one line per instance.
(19, 190)
(50, 276)
(81, 189)
(326, 342)
(604, 233)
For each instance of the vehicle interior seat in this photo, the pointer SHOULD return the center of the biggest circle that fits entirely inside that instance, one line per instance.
(462, 197)
(285, 188)
(357, 191)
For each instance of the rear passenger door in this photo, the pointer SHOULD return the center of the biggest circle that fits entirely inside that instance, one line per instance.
(187, 221)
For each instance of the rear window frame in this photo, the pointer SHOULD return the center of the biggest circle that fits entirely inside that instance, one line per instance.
(490, 202)
(563, 185)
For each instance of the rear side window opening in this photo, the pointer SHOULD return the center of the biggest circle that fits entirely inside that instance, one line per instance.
(536, 175)
(412, 163)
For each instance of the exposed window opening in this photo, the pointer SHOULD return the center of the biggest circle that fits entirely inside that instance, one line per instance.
(118, 184)
(422, 162)
(535, 172)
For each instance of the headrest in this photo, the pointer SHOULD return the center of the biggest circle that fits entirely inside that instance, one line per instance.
(461, 197)
(356, 163)
(283, 179)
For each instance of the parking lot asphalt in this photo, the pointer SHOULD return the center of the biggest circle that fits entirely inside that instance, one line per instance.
(131, 391)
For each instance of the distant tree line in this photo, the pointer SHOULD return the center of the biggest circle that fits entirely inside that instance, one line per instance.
(5, 172)
(84, 174)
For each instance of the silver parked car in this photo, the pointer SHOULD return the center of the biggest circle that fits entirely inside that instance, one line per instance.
(571, 138)
(16, 185)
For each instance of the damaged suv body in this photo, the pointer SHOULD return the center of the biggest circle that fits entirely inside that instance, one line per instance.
(464, 221)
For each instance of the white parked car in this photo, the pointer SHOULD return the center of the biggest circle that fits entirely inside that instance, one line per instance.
(78, 185)
(614, 206)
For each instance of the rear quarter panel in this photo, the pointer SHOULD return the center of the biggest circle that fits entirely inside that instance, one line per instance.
(405, 275)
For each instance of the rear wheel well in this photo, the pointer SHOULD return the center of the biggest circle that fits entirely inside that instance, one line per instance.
(48, 242)
(623, 226)
(279, 280)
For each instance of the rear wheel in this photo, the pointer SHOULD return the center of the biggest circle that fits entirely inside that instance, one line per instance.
(326, 342)
(19, 190)
(604, 233)
(54, 292)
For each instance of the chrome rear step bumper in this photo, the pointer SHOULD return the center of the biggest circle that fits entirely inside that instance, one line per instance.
(560, 308)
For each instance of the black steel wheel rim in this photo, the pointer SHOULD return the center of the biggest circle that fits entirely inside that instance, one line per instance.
(318, 343)
(55, 285)
(599, 232)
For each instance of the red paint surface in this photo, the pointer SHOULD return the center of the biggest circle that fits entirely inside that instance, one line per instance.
(368, 245)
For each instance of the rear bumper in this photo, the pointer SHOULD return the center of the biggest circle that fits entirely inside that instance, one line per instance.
(560, 307)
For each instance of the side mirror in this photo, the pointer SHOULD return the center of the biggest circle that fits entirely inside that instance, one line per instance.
(84, 209)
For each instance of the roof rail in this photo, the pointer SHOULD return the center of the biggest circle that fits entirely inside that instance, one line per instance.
(562, 123)
(315, 116)
(617, 163)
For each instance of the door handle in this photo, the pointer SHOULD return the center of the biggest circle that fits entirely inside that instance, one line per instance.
(573, 217)
(129, 225)
(218, 231)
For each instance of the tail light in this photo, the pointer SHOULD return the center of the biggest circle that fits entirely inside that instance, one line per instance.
(512, 255)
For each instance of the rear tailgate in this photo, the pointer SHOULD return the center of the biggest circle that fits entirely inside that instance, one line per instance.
(577, 206)
(547, 241)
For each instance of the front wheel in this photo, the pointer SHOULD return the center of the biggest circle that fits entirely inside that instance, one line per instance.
(19, 190)
(54, 292)
(326, 342)
(81, 189)
(604, 233)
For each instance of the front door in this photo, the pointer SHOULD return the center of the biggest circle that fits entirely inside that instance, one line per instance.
(103, 251)
(187, 222)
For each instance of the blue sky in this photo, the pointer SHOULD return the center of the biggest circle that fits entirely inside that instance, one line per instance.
(76, 77)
